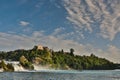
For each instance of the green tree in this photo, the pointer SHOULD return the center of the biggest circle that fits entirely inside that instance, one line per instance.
(62, 51)
(25, 63)
(6, 67)
(23, 60)
(72, 52)
(10, 67)
(35, 48)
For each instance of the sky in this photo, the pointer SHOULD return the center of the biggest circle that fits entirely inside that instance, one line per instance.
(87, 26)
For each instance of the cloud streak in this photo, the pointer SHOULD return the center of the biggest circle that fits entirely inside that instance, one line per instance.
(9, 41)
(24, 23)
(104, 13)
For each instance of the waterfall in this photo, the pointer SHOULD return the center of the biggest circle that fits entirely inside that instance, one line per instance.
(16, 65)
(42, 68)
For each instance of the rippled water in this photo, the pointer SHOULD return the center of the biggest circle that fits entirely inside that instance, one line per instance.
(62, 75)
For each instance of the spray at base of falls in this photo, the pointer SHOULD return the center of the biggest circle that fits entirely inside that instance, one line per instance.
(18, 67)
(40, 67)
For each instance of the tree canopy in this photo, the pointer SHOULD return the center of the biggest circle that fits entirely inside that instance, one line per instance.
(58, 59)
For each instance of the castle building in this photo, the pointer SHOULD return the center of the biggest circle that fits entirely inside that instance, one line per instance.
(39, 47)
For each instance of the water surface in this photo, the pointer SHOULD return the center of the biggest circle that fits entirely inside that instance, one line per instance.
(62, 75)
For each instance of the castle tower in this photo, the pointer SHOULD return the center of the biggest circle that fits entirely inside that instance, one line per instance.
(39, 47)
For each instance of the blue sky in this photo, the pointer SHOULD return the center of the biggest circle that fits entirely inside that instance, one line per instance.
(87, 26)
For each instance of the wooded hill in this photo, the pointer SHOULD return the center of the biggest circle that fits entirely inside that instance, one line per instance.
(57, 59)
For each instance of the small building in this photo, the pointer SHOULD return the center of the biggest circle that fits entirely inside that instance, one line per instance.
(39, 47)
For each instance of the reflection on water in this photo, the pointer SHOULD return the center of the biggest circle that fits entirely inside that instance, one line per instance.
(61, 75)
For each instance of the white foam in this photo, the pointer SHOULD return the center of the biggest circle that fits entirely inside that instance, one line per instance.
(16, 65)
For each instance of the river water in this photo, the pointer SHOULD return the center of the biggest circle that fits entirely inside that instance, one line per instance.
(62, 75)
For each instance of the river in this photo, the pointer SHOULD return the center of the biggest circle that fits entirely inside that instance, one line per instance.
(62, 75)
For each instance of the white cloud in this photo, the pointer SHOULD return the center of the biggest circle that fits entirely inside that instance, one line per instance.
(39, 4)
(58, 30)
(77, 14)
(56, 43)
(84, 13)
(10, 41)
(113, 53)
(21, 2)
(27, 29)
(24, 23)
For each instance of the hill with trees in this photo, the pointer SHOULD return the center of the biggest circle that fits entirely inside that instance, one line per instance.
(55, 59)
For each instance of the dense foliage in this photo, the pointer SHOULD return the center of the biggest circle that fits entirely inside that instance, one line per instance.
(6, 67)
(25, 63)
(58, 59)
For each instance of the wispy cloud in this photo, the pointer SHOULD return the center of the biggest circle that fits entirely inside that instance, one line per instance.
(56, 43)
(39, 4)
(21, 2)
(24, 23)
(58, 30)
(114, 53)
(104, 13)
(10, 41)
